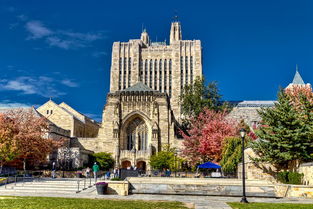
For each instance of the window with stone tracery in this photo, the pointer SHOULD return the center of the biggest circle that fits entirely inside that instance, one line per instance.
(137, 135)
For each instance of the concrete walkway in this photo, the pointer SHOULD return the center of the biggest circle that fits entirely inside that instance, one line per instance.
(199, 202)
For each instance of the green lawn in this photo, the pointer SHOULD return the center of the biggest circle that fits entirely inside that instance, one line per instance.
(236, 205)
(75, 203)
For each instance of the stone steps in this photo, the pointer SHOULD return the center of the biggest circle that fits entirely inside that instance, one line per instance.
(45, 186)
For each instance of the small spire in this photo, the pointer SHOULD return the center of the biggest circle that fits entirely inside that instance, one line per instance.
(297, 79)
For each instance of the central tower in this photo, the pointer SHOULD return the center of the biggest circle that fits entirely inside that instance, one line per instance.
(166, 68)
(142, 112)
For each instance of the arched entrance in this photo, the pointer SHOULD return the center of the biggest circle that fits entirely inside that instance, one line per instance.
(141, 165)
(136, 135)
(126, 164)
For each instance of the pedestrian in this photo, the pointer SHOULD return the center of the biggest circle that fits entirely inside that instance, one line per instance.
(115, 172)
(87, 172)
(53, 170)
(95, 169)
(107, 175)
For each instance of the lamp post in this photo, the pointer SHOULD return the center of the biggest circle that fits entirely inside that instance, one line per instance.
(243, 199)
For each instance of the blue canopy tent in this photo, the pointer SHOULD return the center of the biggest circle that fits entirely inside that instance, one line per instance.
(209, 165)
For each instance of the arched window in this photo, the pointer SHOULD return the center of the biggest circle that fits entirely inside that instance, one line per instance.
(137, 134)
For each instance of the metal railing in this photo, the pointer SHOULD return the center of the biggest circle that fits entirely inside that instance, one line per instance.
(83, 184)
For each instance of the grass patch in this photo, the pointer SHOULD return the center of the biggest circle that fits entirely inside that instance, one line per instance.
(78, 203)
(236, 205)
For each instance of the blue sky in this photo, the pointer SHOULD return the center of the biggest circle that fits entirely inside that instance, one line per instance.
(62, 49)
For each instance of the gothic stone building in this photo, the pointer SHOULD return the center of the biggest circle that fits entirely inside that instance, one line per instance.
(143, 110)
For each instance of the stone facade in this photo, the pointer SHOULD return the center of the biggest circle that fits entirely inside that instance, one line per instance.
(142, 112)
(162, 67)
(67, 118)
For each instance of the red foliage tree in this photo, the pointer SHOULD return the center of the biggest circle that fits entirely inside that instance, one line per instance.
(31, 140)
(8, 145)
(297, 92)
(204, 138)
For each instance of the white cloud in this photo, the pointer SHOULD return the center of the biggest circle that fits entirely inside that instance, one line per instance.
(63, 39)
(42, 85)
(37, 30)
(69, 83)
(55, 41)
(83, 36)
(11, 104)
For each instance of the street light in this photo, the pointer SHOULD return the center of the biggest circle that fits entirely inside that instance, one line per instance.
(243, 199)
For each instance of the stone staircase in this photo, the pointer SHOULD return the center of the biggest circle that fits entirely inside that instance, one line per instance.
(47, 186)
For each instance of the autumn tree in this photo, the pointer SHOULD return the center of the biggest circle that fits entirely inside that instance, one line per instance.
(204, 139)
(31, 140)
(8, 145)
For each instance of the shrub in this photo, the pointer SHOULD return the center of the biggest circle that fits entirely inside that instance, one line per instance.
(283, 177)
(116, 179)
(288, 177)
(295, 178)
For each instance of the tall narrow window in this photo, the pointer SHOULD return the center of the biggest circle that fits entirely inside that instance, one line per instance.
(160, 76)
(186, 69)
(140, 70)
(155, 74)
(165, 75)
(170, 77)
(136, 135)
(129, 71)
(191, 69)
(120, 74)
(146, 71)
(181, 74)
(150, 74)
(124, 69)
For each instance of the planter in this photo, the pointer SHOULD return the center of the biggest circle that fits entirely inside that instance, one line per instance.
(101, 188)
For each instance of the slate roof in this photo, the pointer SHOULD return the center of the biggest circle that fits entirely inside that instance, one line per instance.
(297, 79)
(257, 103)
(139, 87)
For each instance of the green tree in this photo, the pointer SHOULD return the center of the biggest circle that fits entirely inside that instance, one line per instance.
(232, 153)
(104, 159)
(284, 134)
(164, 159)
(196, 96)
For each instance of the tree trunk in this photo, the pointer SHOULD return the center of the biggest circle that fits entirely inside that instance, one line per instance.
(24, 166)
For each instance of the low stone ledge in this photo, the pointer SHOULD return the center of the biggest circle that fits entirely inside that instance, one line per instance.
(118, 187)
(289, 190)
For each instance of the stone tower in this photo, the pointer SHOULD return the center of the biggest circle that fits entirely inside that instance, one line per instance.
(142, 113)
(163, 67)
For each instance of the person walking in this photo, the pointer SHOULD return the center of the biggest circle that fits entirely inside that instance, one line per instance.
(95, 169)
(53, 170)
(87, 172)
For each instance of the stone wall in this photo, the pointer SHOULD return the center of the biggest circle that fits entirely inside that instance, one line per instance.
(266, 171)
(307, 170)
(192, 186)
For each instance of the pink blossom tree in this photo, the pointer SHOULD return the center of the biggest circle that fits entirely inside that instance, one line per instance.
(204, 138)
